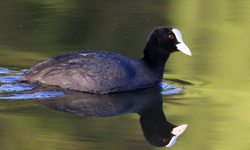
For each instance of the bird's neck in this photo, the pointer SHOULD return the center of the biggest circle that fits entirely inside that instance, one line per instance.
(155, 60)
(155, 56)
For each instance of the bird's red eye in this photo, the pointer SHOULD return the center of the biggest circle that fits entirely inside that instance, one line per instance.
(171, 36)
(165, 140)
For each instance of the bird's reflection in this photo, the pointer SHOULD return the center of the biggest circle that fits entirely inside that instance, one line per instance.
(147, 103)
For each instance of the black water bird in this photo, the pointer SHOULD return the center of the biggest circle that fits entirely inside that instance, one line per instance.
(107, 72)
(157, 130)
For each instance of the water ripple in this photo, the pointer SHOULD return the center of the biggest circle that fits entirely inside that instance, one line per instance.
(10, 88)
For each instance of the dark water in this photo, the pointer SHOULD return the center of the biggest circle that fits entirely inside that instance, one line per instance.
(215, 80)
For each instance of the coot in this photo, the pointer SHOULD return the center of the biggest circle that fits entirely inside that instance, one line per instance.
(106, 72)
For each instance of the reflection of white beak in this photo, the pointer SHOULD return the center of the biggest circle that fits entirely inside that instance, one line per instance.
(181, 46)
(177, 131)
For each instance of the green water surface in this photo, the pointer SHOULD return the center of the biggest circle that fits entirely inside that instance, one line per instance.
(216, 78)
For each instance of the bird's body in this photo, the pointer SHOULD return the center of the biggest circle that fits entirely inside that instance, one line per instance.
(106, 72)
(94, 71)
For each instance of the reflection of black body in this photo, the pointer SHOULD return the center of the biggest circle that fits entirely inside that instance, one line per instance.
(147, 103)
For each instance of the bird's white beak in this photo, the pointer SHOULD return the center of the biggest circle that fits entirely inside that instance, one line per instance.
(181, 46)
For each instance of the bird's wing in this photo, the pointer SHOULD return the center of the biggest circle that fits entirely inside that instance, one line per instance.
(103, 65)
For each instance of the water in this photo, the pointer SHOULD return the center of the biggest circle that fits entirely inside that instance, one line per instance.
(215, 80)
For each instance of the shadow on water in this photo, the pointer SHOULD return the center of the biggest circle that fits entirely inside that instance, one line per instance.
(147, 103)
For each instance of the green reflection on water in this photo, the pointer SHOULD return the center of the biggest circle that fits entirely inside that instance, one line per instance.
(216, 78)
(45, 29)
(217, 34)
(26, 126)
